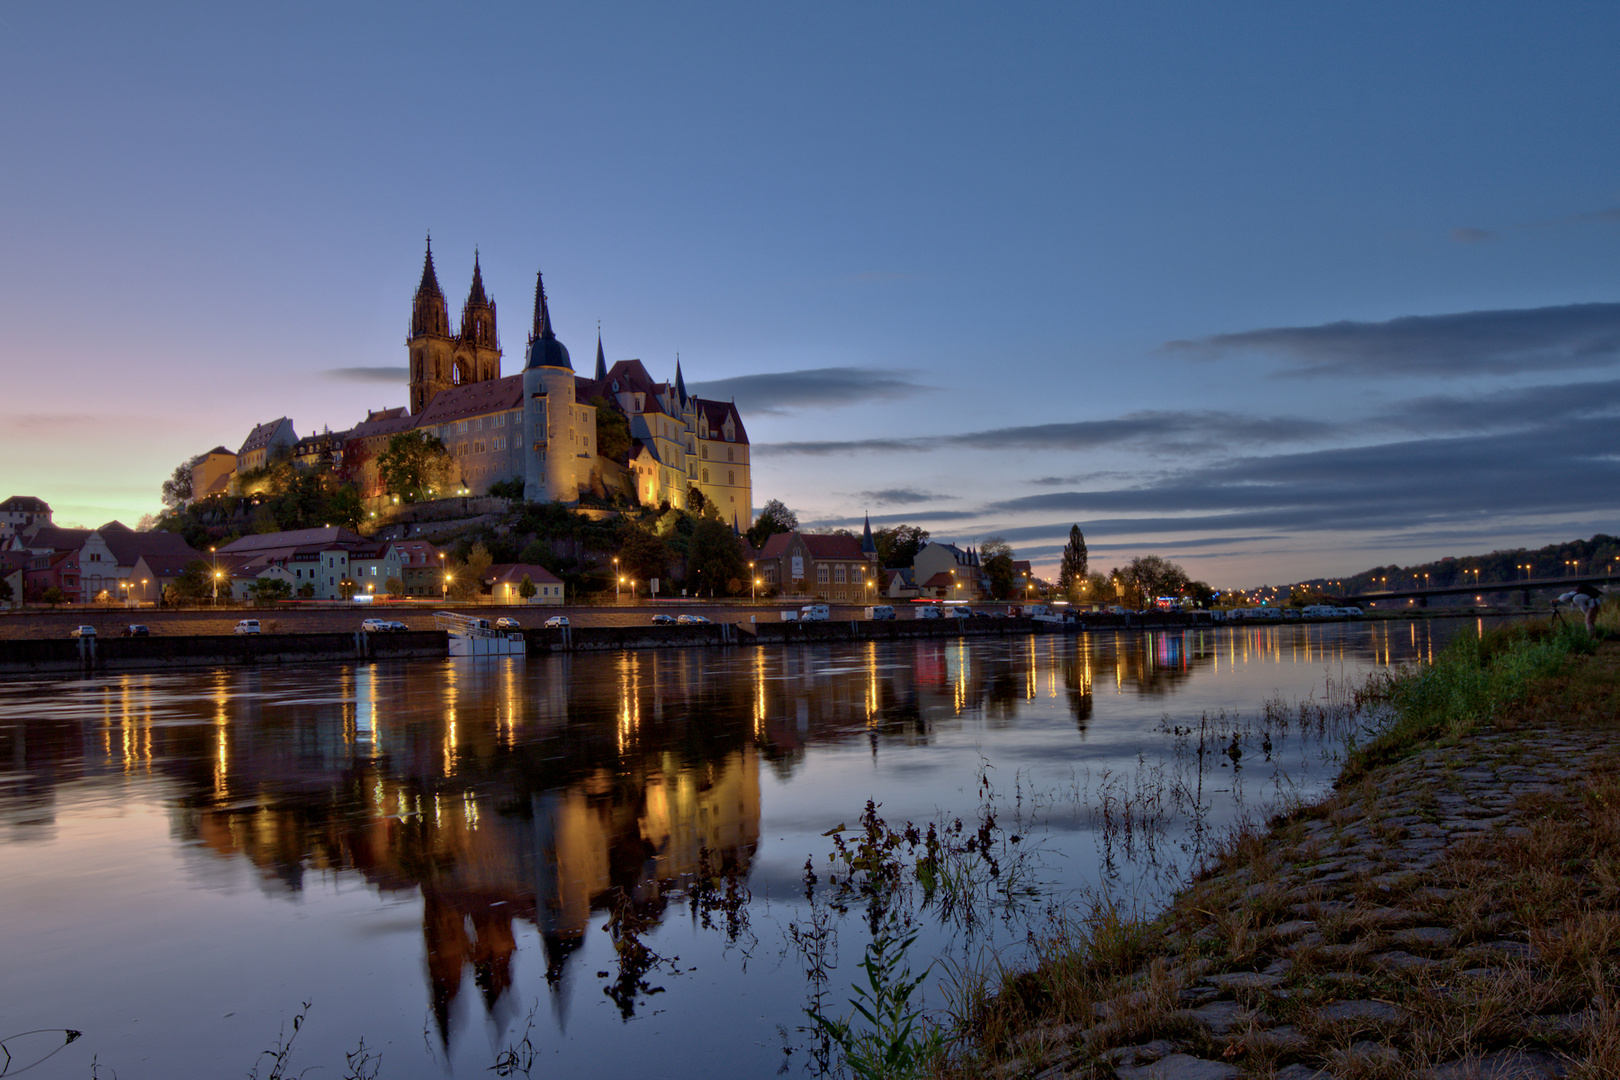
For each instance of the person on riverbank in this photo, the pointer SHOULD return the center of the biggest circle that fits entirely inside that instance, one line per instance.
(1587, 600)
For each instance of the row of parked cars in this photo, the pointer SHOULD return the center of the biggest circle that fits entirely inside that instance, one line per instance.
(681, 620)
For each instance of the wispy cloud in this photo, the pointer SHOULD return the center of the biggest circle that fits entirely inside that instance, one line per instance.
(1473, 236)
(38, 421)
(1153, 432)
(813, 388)
(1501, 342)
(370, 374)
(889, 496)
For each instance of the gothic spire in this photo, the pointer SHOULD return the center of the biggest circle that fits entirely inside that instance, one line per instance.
(430, 280)
(680, 383)
(542, 314)
(475, 295)
(601, 360)
(868, 545)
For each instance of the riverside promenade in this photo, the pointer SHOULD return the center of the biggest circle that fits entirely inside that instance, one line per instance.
(1453, 915)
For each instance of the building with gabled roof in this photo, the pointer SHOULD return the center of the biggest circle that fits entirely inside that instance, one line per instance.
(830, 567)
(505, 580)
(263, 442)
(22, 512)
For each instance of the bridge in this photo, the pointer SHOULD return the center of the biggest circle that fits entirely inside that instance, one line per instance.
(1525, 587)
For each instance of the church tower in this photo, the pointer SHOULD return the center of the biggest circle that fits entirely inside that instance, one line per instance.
(430, 345)
(478, 348)
(550, 425)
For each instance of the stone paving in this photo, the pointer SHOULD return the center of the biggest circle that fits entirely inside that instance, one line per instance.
(1349, 948)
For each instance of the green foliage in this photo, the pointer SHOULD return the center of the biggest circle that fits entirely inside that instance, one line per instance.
(395, 586)
(897, 547)
(467, 575)
(177, 488)
(54, 595)
(5, 591)
(774, 518)
(642, 555)
(888, 1045)
(526, 588)
(508, 489)
(415, 465)
(714, 559)
(1075, 566)
(1147, 577)
(269, 590)
(196, 582)
(996, 556)
(612, 430)
(1469, 684)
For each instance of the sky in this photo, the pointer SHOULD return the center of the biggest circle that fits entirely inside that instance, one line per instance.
(1274, 291)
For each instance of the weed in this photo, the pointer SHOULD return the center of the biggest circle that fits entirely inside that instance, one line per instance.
(889, 1044)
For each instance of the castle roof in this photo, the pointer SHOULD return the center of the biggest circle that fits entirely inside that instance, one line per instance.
(472, 399)
(24, 504)
(716, 412)
(544, 348)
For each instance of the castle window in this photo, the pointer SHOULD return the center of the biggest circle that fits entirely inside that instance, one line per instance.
(705, 453)
(731, 477)
(705, 476)
(729, 453)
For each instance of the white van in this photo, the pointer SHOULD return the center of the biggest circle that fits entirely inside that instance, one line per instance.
(929, 612)
(954, 612)
(815, 613)
(880, 611)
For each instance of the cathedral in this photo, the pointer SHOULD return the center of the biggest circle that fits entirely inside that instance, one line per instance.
(540, 425)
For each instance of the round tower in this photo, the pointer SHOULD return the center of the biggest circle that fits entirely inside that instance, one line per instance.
(550, 430)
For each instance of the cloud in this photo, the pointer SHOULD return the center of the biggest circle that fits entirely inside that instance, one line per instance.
(1501, 342)
(51, 421)
(1473, 236)
(788, 391)
(370, 374)
(1154, 432)
(899, 495)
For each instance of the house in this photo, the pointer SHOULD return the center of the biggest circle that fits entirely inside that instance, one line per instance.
(21, 513)
(504, 580)
(213, 473)
(263, 443)
(421, 567)
(319, 560)
(14, 572)
(947, 572)
(827, 567)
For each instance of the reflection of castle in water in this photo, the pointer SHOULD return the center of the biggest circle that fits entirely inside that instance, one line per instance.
(542, 793)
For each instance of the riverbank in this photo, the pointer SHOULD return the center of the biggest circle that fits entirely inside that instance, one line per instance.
(1451, 911)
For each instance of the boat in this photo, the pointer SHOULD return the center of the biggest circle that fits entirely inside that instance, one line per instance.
(473, 636)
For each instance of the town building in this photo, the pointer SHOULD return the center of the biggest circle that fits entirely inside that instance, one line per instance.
(21, 513)
(505, 583)
(326, 564)
(831, 568)
(264, 443)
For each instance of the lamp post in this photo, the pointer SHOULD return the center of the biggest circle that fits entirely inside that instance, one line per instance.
(753, 583)
(445, 575)
(215, 554)
(617, 580)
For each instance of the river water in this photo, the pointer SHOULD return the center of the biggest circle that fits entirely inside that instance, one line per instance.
(428, 853)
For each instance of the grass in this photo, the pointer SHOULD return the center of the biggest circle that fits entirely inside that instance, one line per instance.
(1105, 981)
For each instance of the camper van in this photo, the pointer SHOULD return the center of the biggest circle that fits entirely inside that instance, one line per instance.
(880, 611)
(815, 613)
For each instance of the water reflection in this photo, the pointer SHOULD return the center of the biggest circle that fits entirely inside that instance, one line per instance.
(539, 795)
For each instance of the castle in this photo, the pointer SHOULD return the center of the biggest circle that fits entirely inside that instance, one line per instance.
(540, 426)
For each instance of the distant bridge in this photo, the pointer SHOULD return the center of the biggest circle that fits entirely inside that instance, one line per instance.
(1524, 588)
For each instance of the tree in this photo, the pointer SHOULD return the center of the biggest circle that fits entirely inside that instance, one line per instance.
(414, 464)
(177, 488)
(1151, 576)
(642, 555)
(508, 489)
(526, 588)
(714, 558)
(267, 590)
(395, 586)
(1073, 569)
(775, 518)
(54, 595)
(467, 577)
(5, 591)
(612, 430)
(996, 557)
(897, 547)
(196, 582)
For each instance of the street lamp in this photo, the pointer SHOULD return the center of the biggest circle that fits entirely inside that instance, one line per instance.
(447, 586)
(215, 554)
(617, 580)
(753, 583)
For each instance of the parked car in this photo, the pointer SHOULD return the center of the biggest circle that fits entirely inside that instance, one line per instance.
(398, 627)
(557, 622)
(137, 630)
(369, 626)
(506, 622)
(248, 626)
(662, 618)
(692, 620)
(82, 631)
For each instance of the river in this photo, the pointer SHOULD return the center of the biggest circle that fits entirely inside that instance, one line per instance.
(429, 854)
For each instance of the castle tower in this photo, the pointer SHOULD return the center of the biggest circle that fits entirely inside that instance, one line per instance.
(429, 345)
(550, 422)
(478, 348)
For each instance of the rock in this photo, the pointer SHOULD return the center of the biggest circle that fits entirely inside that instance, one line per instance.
(1220, 1017)
(1360, 1012)
(1302, 1072)
(1396, 960)
(1244, 980)
(1428, 937)
(1145, 1054)
(1180, 1067)
(1503, 1065)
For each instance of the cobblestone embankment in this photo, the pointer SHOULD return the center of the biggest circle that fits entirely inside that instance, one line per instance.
(1454, 915)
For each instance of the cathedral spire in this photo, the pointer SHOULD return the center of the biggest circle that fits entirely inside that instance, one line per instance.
(680, 383)
(478, 314)
(601, 360)
(430, 280)
(476, 294)
(868, 545)
(542, 314)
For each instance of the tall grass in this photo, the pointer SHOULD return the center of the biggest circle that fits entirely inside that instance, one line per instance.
(1467, 686)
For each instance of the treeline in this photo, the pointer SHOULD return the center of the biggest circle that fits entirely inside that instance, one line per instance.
(1599, 555)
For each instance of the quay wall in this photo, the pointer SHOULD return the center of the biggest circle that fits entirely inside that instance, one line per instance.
(54, 656)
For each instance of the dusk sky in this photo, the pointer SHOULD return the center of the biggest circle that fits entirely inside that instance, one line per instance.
(1271, 290)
